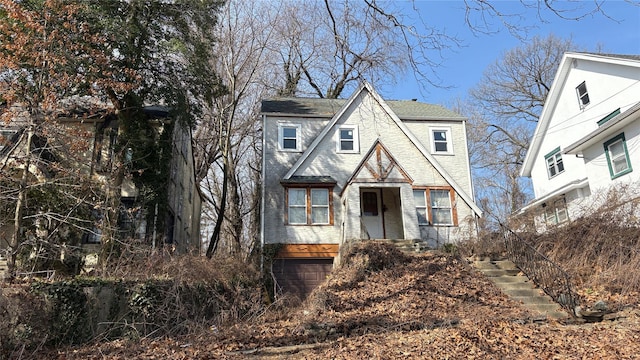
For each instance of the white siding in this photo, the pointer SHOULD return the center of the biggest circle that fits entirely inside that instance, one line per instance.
(609, 87)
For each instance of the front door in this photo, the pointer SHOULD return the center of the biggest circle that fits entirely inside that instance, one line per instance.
(371, 212)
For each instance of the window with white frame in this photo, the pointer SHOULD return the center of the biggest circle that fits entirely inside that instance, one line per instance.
(441, 141)
(308, 206)
(617, 156)
(348, 139)
(583, 95)
(434, 206)
(555, 165)
(289, 137)
(556, 212)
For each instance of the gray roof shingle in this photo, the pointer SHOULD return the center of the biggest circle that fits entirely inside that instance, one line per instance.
(404, 109)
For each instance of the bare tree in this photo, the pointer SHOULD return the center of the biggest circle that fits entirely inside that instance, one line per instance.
(227, 141)
(503, 112)
(327, 46)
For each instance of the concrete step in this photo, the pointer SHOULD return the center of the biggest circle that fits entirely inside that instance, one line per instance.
(505, 275)
(515, 285)
(485, 265)
(535, 300)
(499, 272)
(510, 279)
(407, 246)
(524, 292)
(506, 265)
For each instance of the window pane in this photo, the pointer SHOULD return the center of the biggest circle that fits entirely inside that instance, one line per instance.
(620, 165)
(441, 146)
(297, 215)
(319, 197)
(422, 215)
(559, 163)
(320, 215)
(440, 198)
(298, 197)
(289, 144)
(440, 135)
(346, 145)
(616, 149)
(369, 204)
(582, 89)
(441, 216)
(346, 134)
(289, 132)
(550, 215)
(562, 215)
(418, 197)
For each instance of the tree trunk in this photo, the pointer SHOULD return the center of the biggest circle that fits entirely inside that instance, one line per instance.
(16, 237)
(215, 236)
(235, 212)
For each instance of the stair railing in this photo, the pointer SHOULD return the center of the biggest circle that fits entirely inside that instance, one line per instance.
(545, 273)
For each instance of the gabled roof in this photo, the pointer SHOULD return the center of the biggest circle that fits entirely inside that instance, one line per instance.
(380, 164)
(556, 90)
(366, 87)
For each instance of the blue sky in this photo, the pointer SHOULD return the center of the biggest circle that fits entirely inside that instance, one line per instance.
(620, 34)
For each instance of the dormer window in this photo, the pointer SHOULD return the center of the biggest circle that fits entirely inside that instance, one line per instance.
(289, 137)
(583, 95)
(347, 141)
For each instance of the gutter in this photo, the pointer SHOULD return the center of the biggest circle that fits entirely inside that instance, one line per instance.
(576, 184)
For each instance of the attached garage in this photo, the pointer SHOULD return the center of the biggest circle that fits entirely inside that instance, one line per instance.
(298, 269)
(301, 276)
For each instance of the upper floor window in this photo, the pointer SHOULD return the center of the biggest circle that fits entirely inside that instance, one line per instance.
(555, 165)
(583, 95)
(348, 139)
(617, 156)
(441, 141)
(434, 206)
(309, 206)
(289, 137)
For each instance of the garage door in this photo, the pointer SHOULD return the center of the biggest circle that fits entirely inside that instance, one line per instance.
(301, 276)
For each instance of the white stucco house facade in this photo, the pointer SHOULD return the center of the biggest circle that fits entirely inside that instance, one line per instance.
(588, 136)
(336, 170)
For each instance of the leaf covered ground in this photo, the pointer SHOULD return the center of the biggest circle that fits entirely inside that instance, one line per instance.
(388, 305)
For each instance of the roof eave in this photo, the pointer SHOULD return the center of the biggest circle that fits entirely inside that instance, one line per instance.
(611, 126)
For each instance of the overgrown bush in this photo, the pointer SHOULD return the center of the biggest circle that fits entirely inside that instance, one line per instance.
(488, 244)
(600, 249)
(174, 296)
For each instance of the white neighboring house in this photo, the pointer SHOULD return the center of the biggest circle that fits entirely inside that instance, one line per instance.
(588, 135)
(359, 168)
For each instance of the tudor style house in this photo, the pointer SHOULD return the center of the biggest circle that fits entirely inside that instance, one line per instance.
(588, 136)
(96, 133)
(336, 170)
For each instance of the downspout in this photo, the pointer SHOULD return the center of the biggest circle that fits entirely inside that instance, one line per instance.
(466, 150)
(262, 194)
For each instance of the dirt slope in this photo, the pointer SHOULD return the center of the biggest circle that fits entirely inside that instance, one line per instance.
(387, 305)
